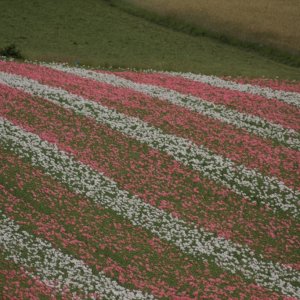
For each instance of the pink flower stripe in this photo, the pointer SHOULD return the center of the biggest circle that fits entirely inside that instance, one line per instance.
(279, 85)
(236, 144)
(155, 177)
(126, 253)
(268, 109)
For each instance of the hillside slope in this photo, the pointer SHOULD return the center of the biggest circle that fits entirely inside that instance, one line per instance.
(146, 185)
(95, 33)
(275, 23)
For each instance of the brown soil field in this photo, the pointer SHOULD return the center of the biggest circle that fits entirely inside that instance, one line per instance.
(274, 23)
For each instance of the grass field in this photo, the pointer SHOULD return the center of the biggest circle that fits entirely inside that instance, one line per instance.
(275, 23)
(95, 33)
(123, 184)
(145, 185)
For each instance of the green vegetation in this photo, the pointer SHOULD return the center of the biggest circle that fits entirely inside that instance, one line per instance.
(269, 22)
(96, 33)
(11, 51)
(235, 23)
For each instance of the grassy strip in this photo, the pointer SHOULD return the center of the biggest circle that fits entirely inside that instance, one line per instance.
(94, 33)
(180, 25)
(255, 20)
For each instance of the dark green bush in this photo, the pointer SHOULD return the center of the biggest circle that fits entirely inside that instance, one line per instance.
(11, 51)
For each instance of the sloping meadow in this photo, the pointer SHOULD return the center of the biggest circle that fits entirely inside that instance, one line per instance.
(147, 185)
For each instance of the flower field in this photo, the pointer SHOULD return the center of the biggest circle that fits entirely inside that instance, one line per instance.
(147, 185)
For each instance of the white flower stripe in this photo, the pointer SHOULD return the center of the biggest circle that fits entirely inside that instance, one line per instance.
(251, 123)
(292, 98)
(83, 180)
(55, 268)
(245, 182)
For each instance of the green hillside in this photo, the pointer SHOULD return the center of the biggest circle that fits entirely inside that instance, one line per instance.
(95, 33)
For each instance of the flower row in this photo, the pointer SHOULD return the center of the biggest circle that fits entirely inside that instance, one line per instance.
(102, 190)
(253, 124)
(246, 182)
(292, 98)
(130, 255)
(55, 268)
(236, 144)
(155, 177)
(271, 110)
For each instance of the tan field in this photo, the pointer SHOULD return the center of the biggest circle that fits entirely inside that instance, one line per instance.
(270, 22)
